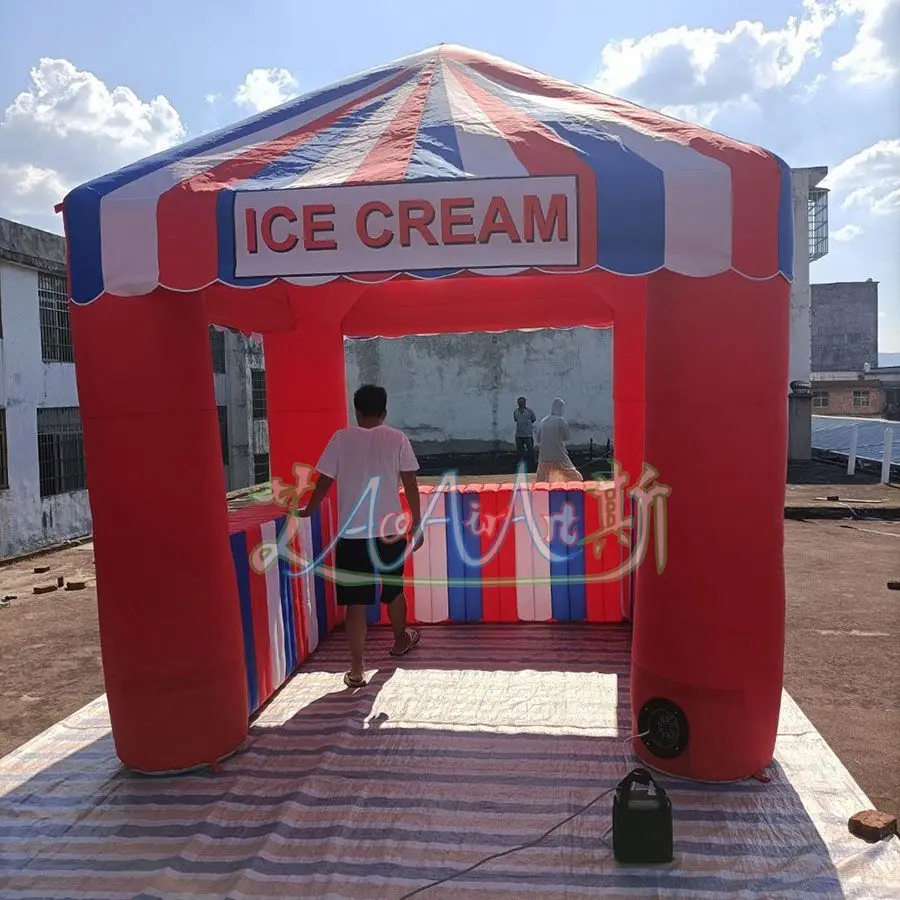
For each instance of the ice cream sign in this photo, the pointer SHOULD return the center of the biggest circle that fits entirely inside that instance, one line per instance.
(461, 224)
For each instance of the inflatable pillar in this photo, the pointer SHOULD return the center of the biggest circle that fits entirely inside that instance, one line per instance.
(170, 628)
(629, 409)
(708, 643)
(306, 384)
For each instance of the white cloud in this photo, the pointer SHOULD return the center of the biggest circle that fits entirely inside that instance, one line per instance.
(846, 234)
(211, 98)
(870, 179)
(875, 56)
(264, 88)
(69, 127)
(698, 72)
(807, 92)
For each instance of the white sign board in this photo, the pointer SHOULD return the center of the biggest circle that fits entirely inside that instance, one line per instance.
(462, 224)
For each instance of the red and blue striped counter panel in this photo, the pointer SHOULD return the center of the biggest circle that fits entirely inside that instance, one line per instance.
(498, 553)
(287, 608)
(492, 553)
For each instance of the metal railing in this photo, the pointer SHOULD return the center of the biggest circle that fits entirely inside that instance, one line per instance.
(871, 440)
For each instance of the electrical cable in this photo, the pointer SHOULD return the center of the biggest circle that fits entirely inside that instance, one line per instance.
(527, 846)
(578, 812)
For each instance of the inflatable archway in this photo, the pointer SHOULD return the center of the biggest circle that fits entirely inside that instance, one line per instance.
(449, 191)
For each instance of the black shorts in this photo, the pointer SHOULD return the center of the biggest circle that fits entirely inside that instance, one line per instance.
(376, 559)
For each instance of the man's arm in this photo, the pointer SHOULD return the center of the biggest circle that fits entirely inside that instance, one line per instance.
(411, 486)
(328, 463)
(323, 486)
(409, 465)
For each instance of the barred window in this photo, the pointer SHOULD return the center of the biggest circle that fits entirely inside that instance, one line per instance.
(223, 431)
(217, 342)
(260, 468)
(820, 399)
(60, 451)
(56, 332)
(4, 464)
(861, 399)
(258, 393)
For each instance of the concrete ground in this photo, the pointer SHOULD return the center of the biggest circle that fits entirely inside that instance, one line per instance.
(842, 650)
(842, 643)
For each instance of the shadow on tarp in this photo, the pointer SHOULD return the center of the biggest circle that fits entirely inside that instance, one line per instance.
(339, 800)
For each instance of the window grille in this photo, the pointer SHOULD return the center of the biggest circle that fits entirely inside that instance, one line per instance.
(223, 431)
(60, 451)
(260, 468)
(4, 462)
(56, 330)
(258, 393)
(217, 344)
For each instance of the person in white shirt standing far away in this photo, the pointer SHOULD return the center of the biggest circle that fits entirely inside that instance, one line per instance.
(370, 544)
(524, 419)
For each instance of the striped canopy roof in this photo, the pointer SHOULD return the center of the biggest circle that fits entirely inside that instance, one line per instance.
(651, 193)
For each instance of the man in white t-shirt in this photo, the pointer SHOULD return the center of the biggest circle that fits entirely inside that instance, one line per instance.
(369, 461)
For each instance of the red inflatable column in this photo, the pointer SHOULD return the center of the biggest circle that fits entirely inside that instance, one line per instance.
(709, 630)
(306, 384)
(628, 424)
(170, 627)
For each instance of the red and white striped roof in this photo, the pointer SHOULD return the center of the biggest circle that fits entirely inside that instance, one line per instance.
(652, 193)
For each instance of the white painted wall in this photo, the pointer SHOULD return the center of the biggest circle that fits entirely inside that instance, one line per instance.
(800, 365)
(456, 393)
(801, 327)
(26, 382)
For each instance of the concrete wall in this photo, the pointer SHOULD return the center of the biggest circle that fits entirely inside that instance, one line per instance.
(844, 326)
(800, 364)
(801, 181)
(28, 521)
(32, 247)
(456, 392)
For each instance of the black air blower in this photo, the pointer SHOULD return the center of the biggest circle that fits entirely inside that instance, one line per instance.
(642, 820)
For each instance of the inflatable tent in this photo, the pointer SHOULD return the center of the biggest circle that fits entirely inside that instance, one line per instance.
(450, 191)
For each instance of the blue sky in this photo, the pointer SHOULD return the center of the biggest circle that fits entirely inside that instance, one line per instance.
(86, 87)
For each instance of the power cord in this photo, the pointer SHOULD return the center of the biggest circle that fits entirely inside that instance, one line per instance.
(578, 812)
(534, 843)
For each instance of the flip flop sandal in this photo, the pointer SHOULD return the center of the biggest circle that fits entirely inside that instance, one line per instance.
(413, 636)
(352, 682)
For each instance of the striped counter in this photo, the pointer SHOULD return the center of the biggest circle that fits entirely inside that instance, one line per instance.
(511, 533)
(488, 556)
(285, 611)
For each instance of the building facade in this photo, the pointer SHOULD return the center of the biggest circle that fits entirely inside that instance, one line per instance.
(872, 393)
(844, 326)
(810, 207)
(43, 495)
(846, 377)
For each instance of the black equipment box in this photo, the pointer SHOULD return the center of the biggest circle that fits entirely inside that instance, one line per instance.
(641, 820)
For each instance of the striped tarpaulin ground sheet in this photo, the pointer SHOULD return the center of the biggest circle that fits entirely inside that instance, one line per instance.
(480, 741)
